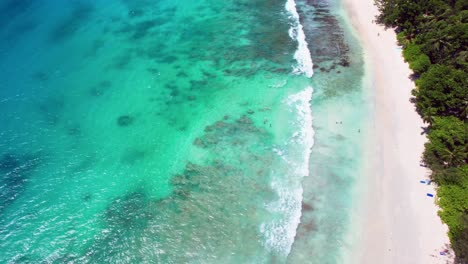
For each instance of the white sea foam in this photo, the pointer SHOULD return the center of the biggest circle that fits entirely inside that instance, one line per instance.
(296, 32)
(304, 137)
(296, 153)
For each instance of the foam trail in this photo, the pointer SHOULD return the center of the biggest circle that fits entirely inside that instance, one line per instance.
(301, 100)
(281, 234)
(296, 32)
(305, 136)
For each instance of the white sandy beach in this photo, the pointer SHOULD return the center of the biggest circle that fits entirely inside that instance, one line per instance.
(400, 223)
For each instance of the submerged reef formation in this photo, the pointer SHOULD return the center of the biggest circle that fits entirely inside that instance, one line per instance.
(14, 173)
(190, 224)
(327, 43)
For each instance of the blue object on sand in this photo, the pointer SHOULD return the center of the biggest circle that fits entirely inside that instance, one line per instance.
(430, 195)
(424, 182)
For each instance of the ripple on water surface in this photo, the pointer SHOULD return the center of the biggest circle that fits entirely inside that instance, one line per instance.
(149, 131)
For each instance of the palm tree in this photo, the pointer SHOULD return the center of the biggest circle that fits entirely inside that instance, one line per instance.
(441, 43)
(428, 116)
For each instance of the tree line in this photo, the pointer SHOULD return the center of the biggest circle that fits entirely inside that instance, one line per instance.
(434, 36)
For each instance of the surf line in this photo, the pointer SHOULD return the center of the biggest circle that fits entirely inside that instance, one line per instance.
(280, 235)
(296, 32)
(301, 101)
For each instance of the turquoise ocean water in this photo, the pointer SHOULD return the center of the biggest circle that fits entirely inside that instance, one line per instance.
(158, 131)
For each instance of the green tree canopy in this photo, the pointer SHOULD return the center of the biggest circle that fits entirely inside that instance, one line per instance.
(443, 91)
(447, 143)
(418, 61)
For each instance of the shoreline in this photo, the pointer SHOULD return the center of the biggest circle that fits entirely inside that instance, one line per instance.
(399, 222)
